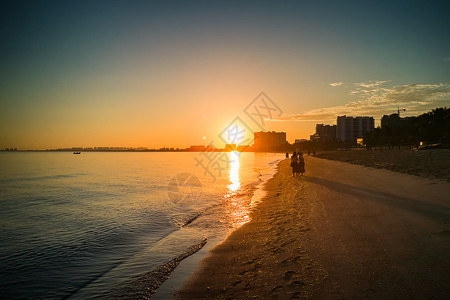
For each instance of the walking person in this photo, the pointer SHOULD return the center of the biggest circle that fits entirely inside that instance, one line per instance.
(294, 163)
(301, 164)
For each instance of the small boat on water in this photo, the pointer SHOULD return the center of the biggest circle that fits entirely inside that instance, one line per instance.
(77, 153)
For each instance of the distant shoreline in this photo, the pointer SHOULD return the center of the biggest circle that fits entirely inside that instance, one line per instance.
(97, 151)
(181, 150)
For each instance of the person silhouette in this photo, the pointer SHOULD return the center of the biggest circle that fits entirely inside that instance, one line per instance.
(294, 163)
(301, 164)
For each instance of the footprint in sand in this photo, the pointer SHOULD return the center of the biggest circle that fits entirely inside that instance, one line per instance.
(237, 282)
(287, 243)
(296, 284)
(289, 274)
(258, 266)
(275, 250)
(298, 258)
(276, 289)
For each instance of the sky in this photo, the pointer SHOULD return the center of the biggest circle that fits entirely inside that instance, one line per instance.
(178, 73)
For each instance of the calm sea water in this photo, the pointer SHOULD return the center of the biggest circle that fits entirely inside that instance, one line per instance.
(80, 226)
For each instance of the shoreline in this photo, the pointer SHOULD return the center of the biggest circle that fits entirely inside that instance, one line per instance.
(186, 267)
(306, 240)
(152, 280)
(241, 254)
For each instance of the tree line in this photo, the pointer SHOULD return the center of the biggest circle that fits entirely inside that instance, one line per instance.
(431, 128)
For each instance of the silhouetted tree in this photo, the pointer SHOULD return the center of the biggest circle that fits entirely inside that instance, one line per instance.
(432, 127)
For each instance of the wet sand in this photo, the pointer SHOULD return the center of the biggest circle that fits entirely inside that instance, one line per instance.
(341, 231)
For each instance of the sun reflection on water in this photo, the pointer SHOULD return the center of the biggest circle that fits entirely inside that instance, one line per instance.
(238, 206)
(234, 172)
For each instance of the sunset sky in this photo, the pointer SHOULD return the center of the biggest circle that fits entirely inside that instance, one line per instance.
(169, 73)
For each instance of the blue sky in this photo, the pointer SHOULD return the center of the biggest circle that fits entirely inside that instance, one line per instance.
(134, 73)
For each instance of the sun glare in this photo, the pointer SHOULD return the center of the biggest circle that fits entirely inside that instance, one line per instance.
(234, 172)
(237, 133)
(236, 206)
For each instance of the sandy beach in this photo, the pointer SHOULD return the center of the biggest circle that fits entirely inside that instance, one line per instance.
(341, 231)
(433, 163)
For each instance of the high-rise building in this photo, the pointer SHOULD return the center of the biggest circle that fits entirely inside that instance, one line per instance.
(298, 141)
(324, 133)
(270, 140)
(350, 128)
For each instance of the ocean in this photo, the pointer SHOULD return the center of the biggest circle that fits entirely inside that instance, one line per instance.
(90, 225)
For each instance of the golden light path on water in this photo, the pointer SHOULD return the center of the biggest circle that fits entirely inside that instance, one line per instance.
(238, 209)
(234, 172)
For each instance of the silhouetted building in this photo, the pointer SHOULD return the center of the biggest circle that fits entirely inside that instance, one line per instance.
(197, 148)
(244, 148)
(324, 133)
(266, 141)
(230, 147)
(314, 137)
(298, 141)
(350, 129)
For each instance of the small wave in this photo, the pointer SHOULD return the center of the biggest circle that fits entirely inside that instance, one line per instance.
(37, 178)
(276, 161)
(192, 218)
(142, 287)
(246, 190)
(77, 292)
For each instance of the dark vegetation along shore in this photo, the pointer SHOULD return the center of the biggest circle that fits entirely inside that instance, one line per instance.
(424, 163)
(428, 128)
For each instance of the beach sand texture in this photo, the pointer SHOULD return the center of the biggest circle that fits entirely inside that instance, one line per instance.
(341, 231)
(432, 163)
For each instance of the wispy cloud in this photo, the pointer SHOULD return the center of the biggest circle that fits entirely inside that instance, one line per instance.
(447, 59)
(337, 84)
(370, 84)
(377, 101)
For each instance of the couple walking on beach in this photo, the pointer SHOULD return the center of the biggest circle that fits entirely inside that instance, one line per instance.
(297, 164)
